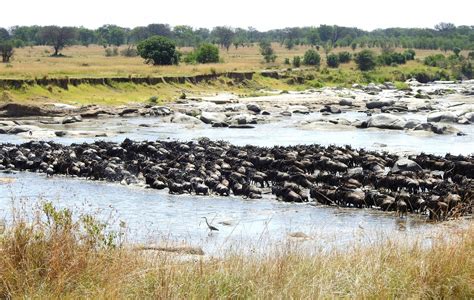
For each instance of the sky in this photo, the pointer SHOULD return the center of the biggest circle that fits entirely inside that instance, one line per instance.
(263, 15)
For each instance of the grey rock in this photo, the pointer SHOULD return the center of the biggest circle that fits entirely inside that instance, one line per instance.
(71, 119)
(379, 103)
(211, 117)
(442, 116)
(254, 107)
(386, 121)
(345, 102)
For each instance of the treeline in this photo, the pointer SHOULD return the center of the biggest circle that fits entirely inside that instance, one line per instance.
(444, 36)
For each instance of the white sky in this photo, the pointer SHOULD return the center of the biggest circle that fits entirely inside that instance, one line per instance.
(262, 15)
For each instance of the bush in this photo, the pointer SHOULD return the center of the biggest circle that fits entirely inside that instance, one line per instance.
(456, 51)
(158, 50)
(267, 51)
(365, 60)
(6, 51)
(344, 57)
(333, 60)
(287, 61)
(130, 51)
(409, 54)
(312, 58)
(111, 52)
(391, 58)
(437, 60)
(296, 61)
(207, 53)
(470, 55)
(467, 70)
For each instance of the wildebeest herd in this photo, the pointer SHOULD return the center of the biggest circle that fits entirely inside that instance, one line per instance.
(440, 187)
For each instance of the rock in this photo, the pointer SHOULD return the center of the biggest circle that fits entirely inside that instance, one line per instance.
(342, 121)
(184, 119)
(442, 116)
(21, 110)
(470, 117)
(405, 164)
(128, 111)
(242, 126)
(71, 119)
(254, 107)
(463, 121)
(220, 124)
(265, 113)
(243, 119)
(412, 123)
(298, 109)
(211, 118)
(345, 102)
(286, 113)
(379, 103)
(438, 128)
(161, 110)
(389, 85)
(331, 109)
(356, 86)
(386, 121)
(60, 133)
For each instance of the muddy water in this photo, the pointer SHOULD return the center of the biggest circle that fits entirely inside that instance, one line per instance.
(153, 216)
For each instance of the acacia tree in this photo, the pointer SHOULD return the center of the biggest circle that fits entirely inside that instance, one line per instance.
(6, 51)
(267, 51)
(224, 35)
(158, 50)
(57, 37)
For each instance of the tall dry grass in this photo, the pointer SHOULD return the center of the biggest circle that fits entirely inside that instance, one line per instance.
(53, 256)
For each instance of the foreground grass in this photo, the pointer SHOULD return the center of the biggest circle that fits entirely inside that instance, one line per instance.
(52, 256)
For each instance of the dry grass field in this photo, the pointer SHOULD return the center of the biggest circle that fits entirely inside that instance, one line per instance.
(52, 257)
(80, 61)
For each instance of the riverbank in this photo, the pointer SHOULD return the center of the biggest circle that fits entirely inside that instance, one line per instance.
(55, 256)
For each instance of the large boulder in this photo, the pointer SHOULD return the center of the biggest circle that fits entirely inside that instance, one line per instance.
(71, 119)
(242, 119)
(184, 119)
(469, 117)
(254, 107)
(386, 121)
(442, 116)
(212, 117)
(405, 164)
(345, 102)
(298, 109)
(380, 103)
(331, 109)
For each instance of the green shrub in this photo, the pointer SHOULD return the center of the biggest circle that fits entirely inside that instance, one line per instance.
(344, 57)
(267, 51)
(287, 61)
(153, 99)
(6, 51)
(333, 60)
(437, 60)
(409, 54)
(365, 60)
(466, 70)
(456, 51)
(158, 50)
(296, 61)
(470, 55)
(391, 58)
(311, 58)
(207, 53)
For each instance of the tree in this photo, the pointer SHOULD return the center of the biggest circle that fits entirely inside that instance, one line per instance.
(4, 35)
(224, 36)
(207, 53)
(296, 61)
(344, 57)
(456, 51)
(86, 36)
(57, 37)
(365, 60)
(312, 36)
(6, 51)
(333, 60)
(267, 51)
(311, 58)
(354, 46)
(158, 50)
